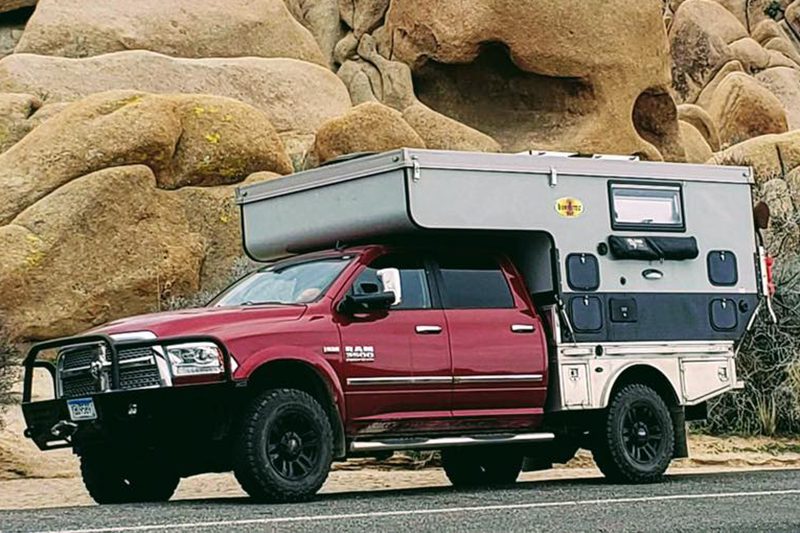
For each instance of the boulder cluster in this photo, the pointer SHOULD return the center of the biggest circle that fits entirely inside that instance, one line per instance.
(125, 126)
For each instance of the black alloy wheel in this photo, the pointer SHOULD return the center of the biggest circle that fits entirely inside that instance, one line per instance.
(643, 434)
(284, 448)
(635, 440)
(293, 446)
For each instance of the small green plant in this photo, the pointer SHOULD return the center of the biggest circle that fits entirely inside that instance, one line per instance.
(774, 10)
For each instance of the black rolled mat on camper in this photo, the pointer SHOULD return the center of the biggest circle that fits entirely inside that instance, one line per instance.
(653, 248)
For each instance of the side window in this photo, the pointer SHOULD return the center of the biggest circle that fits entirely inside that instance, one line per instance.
(474, 283)
(646, 207)
(413, 278)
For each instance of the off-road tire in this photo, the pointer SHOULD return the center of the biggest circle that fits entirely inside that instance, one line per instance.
(477, 466)
(267, 475)
(110, 479)
(621, 452)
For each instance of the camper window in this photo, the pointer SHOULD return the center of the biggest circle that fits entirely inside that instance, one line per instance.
(646, 207)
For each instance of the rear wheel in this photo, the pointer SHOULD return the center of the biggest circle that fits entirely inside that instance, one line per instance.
(636, 440)
(109, 479)
(466, 467)
(285, 449)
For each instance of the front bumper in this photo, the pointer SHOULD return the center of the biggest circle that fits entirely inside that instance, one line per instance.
(137, 418)
(133, 416)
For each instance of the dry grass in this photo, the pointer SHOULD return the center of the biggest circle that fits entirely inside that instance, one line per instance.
(769, 363)
(9, 370)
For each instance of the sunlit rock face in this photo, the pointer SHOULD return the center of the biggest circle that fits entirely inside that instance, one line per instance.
(137, 183)
(555, 75)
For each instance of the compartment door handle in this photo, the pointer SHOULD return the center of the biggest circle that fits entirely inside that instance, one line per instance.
(652, 273)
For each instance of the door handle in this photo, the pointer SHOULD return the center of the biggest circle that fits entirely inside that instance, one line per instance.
(652, 273)
(522, 328)
(428, 330)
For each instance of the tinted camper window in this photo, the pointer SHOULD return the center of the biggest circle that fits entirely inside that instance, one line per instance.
(646, 207)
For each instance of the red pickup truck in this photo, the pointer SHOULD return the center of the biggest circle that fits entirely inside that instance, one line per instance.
(466, 342)
(309, 360)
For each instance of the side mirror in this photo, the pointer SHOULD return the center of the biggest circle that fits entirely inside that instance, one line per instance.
(364, 303)
(390, 277)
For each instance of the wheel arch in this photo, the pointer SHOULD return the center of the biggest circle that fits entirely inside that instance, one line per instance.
(645, 374)
(299, 374)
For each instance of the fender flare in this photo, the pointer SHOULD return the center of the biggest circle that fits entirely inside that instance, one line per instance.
(612, 381)
(322, 367)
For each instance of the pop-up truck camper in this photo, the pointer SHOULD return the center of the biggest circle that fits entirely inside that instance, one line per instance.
(504, 309)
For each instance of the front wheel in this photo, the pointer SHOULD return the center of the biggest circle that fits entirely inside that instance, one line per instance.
(285, 448)
(467, 467)
(636, 440)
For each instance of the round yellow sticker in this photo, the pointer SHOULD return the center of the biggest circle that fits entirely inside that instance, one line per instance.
(569, 207)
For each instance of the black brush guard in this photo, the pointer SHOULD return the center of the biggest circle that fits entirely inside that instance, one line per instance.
(41, 416)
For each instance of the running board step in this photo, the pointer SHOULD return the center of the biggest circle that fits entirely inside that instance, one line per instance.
(446, 442)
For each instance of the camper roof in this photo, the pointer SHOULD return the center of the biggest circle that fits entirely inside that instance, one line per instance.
(354, 167)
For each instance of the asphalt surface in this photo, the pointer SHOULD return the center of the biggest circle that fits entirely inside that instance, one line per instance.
(750, 501)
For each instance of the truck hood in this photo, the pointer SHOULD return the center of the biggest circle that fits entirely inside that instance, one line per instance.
(220, 322)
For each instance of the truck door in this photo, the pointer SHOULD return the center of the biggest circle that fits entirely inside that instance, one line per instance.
(397, 362)
(497, 343)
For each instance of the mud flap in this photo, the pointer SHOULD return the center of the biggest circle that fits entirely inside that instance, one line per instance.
(679, 429)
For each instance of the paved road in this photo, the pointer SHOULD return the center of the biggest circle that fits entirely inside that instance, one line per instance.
(753, 501)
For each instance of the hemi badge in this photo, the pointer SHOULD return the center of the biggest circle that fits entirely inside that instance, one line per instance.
(330, 349)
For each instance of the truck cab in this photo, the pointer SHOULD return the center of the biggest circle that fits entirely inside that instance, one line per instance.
(596, 308)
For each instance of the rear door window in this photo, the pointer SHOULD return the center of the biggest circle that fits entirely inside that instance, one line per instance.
(474, 282)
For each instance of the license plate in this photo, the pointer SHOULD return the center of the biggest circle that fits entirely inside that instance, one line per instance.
(82, 409)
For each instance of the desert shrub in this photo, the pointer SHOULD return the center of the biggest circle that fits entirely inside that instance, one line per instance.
(774, 10)
(10, 358)
(769, 364)
(240, 268)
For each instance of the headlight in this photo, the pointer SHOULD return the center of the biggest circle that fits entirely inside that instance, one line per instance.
(195, 358)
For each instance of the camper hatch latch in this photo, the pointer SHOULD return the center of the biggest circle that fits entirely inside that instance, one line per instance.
(415, 168)
(553, 177)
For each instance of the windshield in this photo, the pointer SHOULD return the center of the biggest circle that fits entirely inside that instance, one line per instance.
(287, 283)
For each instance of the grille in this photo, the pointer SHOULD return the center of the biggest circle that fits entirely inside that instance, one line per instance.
(139, 377)
(78, 385)
(78, 357)
(136, 371)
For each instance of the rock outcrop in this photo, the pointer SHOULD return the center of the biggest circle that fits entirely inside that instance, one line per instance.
(742, 109)
(16, 117)
(369, 127)
(105, 244)
(108, 188)
(179, 28)
(205, 95)
(11, 5)
(185, 140)
(297, 96)
(555, 91)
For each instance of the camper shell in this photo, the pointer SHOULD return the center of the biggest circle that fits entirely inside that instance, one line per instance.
(634, 263)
